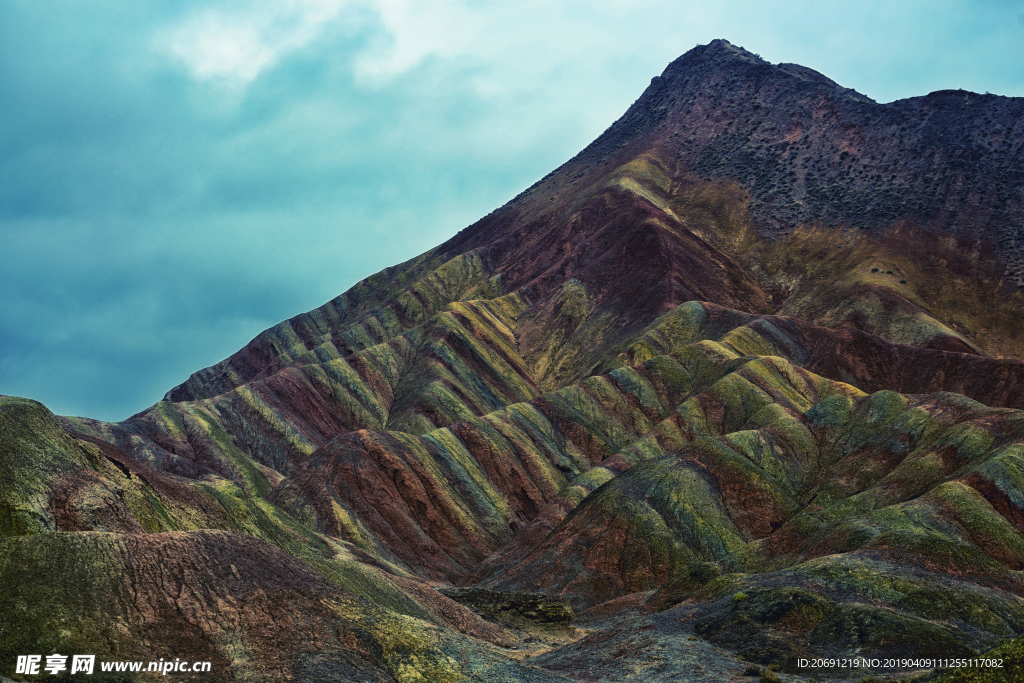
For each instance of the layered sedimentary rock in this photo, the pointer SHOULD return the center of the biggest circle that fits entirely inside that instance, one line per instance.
(601, 394)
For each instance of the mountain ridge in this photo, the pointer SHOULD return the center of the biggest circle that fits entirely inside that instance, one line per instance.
(839, 121)
(634, 126)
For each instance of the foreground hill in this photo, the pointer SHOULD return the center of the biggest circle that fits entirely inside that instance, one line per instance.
(716, 449)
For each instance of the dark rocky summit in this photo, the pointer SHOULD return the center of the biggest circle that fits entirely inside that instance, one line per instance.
(809, 150)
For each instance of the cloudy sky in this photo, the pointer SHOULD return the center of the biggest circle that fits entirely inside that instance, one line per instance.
(176, 177)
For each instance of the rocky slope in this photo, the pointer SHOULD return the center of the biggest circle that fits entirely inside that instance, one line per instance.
(809, 150)
(718, 451)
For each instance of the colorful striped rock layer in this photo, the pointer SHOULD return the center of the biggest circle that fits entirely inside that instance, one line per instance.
(637, 425)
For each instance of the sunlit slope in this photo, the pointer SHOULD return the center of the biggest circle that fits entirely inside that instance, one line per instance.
(457, 341)
(479, 331)
(901, 504)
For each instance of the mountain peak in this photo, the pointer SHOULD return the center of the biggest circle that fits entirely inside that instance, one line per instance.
(720, 47)
(718, 53)
(808, 149)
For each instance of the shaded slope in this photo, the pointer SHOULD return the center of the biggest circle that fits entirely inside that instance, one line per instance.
(117, 559)
(252, 611)
(227, 599)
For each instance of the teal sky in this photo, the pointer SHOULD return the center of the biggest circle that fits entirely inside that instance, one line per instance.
(176, 177)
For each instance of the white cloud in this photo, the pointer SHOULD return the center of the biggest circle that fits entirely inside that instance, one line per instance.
(519, 42)
(235, 45)
(416, 30)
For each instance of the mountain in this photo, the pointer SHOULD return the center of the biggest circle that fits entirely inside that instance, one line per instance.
(736, 386)
(808, 150)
